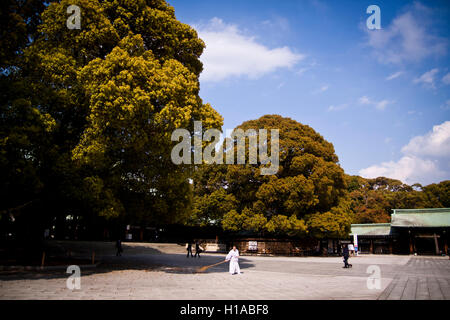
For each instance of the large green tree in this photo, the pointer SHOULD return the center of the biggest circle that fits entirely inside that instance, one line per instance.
(88, 113)
(309, 182)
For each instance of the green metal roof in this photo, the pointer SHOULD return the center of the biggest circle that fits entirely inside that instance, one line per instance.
(371, 229)
(439, 217)
(424, 210)
(429, 217)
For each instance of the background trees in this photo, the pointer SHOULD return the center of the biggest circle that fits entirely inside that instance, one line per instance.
(373, 199)
(310, 194)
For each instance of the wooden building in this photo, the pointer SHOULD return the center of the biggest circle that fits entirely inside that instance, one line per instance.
(373, 237)
(411, 231)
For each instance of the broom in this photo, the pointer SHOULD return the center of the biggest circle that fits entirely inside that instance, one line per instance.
(203, 269)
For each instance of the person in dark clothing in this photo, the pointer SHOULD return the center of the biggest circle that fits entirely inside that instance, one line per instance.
(189, 249)
(119, 248)
(346, 255)
(198, 249)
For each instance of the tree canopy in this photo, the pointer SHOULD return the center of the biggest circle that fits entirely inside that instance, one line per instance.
(308, 184)
(309, 195)
(86, 117)
(373, 199)
(86, 114)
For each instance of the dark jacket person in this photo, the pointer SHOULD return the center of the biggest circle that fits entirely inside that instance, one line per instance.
(345, 254)
(189, 249)
(119, 248)
(197, 250)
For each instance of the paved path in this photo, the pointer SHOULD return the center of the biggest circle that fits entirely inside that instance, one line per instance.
(172, 276)
(422, 278)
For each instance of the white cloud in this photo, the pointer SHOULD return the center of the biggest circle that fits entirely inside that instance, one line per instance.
(435, 143)
(408, 170)
(321, 89)
(338, 107)
(277, 23)
(394, 75)
(446, 105)
(414, 112)
(230, 53)
(310, 66)
(302, 71)
(446, 78)
(380, 105)
(427, 78)
(409, 37)
(426, 159)
(364, 100)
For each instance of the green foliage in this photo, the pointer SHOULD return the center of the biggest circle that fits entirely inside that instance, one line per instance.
(86, 115)
(373, 199)
(233, 221)
(85, 123)
(309, 181)
(281, 224)
(209, 209)
(329, 224)
(335, 223)
(297, 227)
(439, 191)
(255, 222)
(18, 26)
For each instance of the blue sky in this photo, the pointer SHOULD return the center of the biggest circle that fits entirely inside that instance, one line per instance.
(382, 97)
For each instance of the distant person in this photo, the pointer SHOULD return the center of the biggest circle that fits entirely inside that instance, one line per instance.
(119, 248)
(198, 249)
(346, 255)
(351, 249)
(189, 249)
(233, 257)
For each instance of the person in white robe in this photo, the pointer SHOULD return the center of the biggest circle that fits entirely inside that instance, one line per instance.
(233, 257)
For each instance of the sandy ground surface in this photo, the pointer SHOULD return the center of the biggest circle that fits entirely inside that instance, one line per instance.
(162, 271)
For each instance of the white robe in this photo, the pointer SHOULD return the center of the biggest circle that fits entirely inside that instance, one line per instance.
(233, 256)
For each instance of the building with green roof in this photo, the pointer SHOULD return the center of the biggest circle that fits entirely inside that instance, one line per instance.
(413, 231)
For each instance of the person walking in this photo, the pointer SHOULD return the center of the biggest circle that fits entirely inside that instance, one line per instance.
(119, 247)
(198, 249)
(346, 255)
(189, 249)
(233, 257)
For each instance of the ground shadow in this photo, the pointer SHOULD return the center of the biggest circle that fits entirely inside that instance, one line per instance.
(162, 262)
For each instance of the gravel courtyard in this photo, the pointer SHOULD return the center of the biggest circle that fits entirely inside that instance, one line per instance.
(155, 271)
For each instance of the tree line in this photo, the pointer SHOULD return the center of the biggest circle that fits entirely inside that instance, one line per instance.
(309, 196)
(86, 117)
(373, 199)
